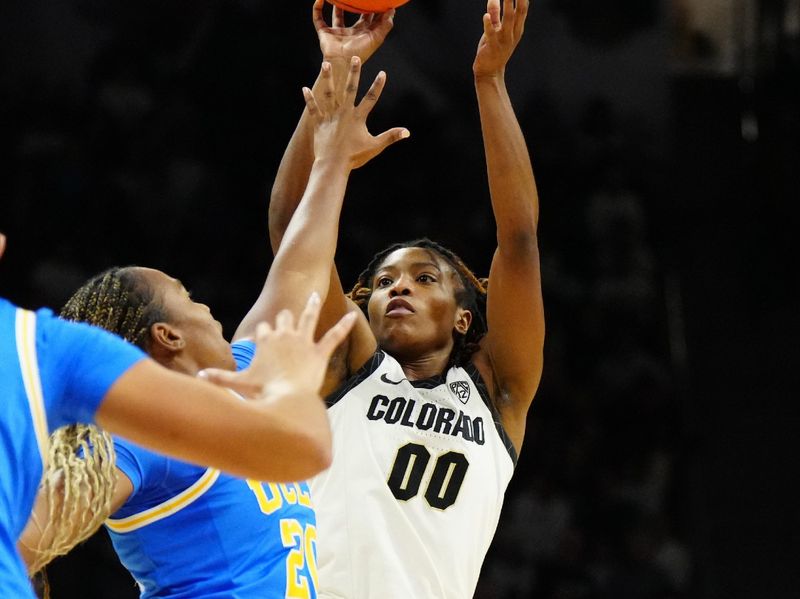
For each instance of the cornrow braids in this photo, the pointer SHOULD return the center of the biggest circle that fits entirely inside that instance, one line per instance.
(81, 477)
(119, 301)
(471, 296)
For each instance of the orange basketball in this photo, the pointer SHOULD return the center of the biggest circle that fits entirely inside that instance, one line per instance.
(363, 6)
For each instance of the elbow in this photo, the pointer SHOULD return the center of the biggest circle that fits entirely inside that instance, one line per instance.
(318, 450)
(314, 454)
(323, 458)
(293, 444)
(521, 243)
(296, 460)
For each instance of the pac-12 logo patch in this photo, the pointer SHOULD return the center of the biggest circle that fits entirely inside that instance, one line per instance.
(461, 390)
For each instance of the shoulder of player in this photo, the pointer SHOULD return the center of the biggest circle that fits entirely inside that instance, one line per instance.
(504, 397)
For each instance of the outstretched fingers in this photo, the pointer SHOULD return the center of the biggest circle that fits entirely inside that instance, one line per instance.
(353, 77)
(327, 88)
(387, 138)
(307, 323)
(489, 28)
(493, 11)
(311, 104)
(509, 16)
(373, 94)
(522, 13)
(321, 104)
(263, 332)
(284, 322)
(335, 335)
(366, 105)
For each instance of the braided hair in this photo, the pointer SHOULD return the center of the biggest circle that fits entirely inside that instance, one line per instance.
(80, 477)
(471, 296)
(118, 300)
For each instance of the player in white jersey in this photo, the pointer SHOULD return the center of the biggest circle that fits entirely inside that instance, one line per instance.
(429, 395)
(433, 463)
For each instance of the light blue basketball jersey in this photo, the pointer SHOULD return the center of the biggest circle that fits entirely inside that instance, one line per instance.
(193, 532)
(50, 375)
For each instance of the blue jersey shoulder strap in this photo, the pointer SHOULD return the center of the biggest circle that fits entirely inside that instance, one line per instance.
(29, 365)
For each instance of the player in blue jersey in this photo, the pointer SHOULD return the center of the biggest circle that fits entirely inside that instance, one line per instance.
(185, 531)
(51, 375)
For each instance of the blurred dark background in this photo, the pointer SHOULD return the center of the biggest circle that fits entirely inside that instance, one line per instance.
(665, 136)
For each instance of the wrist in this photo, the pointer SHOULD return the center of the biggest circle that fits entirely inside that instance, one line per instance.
(491, 78)
(490, 84)
(336, 59)
(332, 162)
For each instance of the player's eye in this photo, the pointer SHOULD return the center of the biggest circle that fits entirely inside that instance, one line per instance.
(383, 281)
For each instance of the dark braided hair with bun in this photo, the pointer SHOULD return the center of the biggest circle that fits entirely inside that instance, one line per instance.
(471, 296)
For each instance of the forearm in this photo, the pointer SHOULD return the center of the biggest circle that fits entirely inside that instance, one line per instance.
(313, 231)
(296, 163)
(303, 416)
(291, 179)
(511, 182)
(205, 424)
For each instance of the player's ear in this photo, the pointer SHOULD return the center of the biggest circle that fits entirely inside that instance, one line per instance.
(165, 340)
(463, 320)
(2, 244)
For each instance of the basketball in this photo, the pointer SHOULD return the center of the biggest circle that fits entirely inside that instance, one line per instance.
(365, 6)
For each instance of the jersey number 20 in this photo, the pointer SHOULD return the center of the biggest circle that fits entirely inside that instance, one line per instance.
(301, 541)
(409, 467)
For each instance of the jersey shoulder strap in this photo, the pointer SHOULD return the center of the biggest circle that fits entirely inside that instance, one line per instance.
(29, 365)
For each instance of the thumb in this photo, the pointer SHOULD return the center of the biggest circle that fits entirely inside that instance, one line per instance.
(387, 138)
(229, 379)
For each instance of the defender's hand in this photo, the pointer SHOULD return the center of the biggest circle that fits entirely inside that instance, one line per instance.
(287, 359)
(340, 129)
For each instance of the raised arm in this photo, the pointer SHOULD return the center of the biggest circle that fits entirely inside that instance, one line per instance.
(512, 349)
(339, 44)
(341, 143)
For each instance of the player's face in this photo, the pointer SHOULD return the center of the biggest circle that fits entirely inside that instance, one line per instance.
(201, 333)
(413, 308)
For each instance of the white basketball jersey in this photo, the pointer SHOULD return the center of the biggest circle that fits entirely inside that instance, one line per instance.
(411, 503)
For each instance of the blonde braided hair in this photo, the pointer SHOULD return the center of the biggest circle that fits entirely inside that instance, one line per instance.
(80, 477)
(79, 484)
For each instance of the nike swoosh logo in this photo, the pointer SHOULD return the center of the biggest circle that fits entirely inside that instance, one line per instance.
(386, 379)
